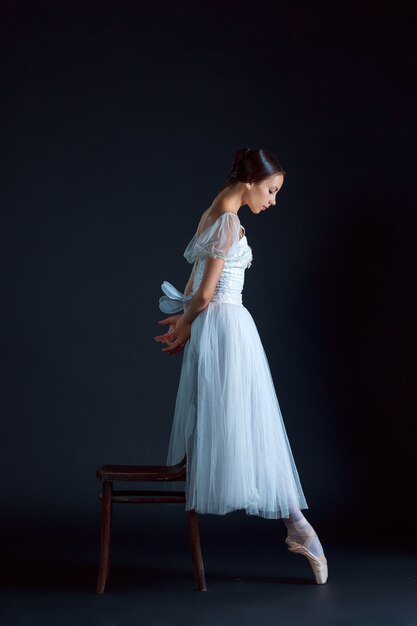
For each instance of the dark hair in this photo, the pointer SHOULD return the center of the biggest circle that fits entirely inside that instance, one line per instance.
(253, 165)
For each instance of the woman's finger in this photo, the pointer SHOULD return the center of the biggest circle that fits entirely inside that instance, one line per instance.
(161, 338)
(171, 346)
(167, 320)
(175, 347)
(165, 337)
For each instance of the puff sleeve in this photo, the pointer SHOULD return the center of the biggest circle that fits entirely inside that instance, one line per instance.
(217, 240)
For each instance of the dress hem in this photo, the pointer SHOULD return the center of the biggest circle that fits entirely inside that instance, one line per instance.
(258, 513)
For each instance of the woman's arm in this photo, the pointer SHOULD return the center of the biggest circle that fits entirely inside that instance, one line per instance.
(190, 282)
(179, 336)
(205, 291)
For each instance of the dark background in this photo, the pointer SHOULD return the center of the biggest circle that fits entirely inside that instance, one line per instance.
(120, 121)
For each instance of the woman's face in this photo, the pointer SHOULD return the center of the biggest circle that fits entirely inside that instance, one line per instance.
(262, 195)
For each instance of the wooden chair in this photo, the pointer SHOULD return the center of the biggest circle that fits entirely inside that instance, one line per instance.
(108, 474)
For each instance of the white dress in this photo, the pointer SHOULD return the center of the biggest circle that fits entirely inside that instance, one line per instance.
(227, 418)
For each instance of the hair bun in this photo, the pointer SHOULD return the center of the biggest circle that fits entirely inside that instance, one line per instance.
(240, 154)
(238, 157)
(253, 165)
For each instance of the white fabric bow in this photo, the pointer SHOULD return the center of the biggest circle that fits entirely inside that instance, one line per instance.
(174, 300)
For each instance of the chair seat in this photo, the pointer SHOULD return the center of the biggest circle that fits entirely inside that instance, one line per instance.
(144, 473)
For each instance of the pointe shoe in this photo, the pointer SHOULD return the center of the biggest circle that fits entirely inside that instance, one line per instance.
(318, 564)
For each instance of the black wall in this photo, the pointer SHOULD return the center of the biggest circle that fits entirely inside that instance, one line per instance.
(120, 122)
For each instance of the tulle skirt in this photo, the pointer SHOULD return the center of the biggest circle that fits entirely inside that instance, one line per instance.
(228, 422)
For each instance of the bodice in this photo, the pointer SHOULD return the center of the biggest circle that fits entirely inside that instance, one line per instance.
(222, 240)
(230, 285)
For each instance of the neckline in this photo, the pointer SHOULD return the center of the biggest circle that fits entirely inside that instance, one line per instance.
(217, 218)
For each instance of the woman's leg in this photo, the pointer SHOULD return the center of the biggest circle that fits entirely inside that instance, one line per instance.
(299, 530)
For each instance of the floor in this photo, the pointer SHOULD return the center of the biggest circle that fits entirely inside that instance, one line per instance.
(50, 578)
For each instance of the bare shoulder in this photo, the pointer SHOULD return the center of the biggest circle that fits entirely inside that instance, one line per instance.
(210, 215)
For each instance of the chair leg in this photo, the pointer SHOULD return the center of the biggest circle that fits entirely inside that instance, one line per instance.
(105, 549)
(198, 565)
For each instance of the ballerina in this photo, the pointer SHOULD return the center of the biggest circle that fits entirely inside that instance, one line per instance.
(227, 420)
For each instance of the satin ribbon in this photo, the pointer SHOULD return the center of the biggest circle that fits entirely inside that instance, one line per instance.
(174, 300)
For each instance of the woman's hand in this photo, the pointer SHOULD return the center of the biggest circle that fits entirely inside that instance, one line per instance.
(172, 320)
(177, 335)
